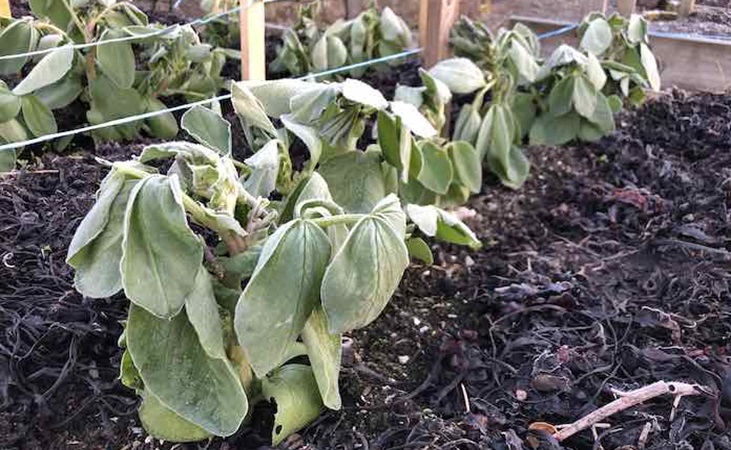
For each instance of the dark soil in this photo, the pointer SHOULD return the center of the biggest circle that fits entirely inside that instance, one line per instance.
(608, 270)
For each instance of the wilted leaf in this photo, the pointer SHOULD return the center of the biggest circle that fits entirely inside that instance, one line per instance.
(293, 389)
(363, 275)
(466, 163)
(177, 371)
(265, 164)
(358, 92)
(597, 37)
(37, 117)
(50, 69)
(161, 254)
(650, 65)
(116, 60)
(560, 100)
(202, 311)
(461, 75)
(497, 132)
(282, 293)
(208, 128)
(436, 172)
(584, 96)
(413, 119)
(324, 351)
(435, 222)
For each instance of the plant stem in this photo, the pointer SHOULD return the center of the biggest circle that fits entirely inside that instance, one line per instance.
(344, 219)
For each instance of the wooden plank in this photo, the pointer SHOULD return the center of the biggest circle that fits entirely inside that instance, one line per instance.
(686, 7)
(692, 63)
(626, 7)
(436, 18)
(253, 50)
(5, 9)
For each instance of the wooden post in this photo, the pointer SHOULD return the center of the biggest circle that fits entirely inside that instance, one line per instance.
(253, 50)
(626, 7)
(353, 8)
(436, 18)
(5, 9)
(686, 7)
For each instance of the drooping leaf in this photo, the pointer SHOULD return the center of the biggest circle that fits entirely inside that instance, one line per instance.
(265, 164)
(177, 371)
(497, 132)
(96, 249)
(54, 10)
(525, 63)
(324, 352)
(355, 180)
(37, 117)
(16, 38)
(116, 60)
(389, 209)
(50, 69)
(650, 65)
(595, 72)
(9, 104)
(363, 275)
(61, 93)
(437, 172)
(597, 37)
(161, 422)
(436, 222)
(281, 294)
(420, 250)
(202, 311)
(359, 92)
(524, 111)
(548, 130)
(164, 125)
(584, 96)
(466, 163)
(306, 134)
(512, 171)
(250, 110)
(413, 119)
(468, 125)
(208, 128)
(161, 254)
(560, 100)
(461, 75)
(293, 389)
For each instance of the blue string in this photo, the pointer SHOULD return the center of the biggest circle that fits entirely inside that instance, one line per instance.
(558, 32)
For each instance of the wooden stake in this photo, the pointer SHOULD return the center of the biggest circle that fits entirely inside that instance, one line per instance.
(626, 7)
(686, 7)
(253, 50)
(353, 8)
(436, 18)
(5, 9)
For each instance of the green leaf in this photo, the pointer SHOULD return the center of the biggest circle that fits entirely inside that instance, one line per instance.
(176, 369)
(436, 172)
(37, 117)
(597, 37)
(308, 135)
(524, 111)
(602, 116)
(208, 128)
(250, 110)
(649, 63)
(108, 102)
(436, 222)
(548, 130)
(420, 250)
(497, 132)
(358, 92)
(265, 164)
(164, 424)
(161, 254)
(202, 311)
(355, 180)
(461, 75)
(513, 170)
(276, 95)
(293, 389)
(9, 104)
(637, 29)
(163, 125)
(468, 124)
(117, 60)
(525, 63)
(584, 96)
(54, 10)
(50, 69)
(324, 352)
(61, 93)
(595, 72)
(96, 249)
(16, 38)
(560, 100)
(389, 209)
(282, 293)
(7, 158)
(466, 163)
(413, 119)
(128, 374)
(363, 275)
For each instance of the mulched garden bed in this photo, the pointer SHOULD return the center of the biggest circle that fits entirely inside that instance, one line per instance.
(608, 270)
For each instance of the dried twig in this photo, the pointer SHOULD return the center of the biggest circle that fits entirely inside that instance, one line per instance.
(628, 400)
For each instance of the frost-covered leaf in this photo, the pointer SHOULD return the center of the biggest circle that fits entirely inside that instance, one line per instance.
(461, 75)
(208, 128)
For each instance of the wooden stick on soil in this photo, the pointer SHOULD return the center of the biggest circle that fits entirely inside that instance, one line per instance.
(253, 50)
(626, 7)
(436, 18)
(628, 400)
(5, 9)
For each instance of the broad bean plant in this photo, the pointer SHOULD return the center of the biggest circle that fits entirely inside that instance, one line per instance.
(243, 277)
(518, 97)
(113, 80)
(306, 48)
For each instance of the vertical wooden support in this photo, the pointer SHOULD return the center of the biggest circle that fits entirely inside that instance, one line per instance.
(436, 18)
(253, 50)
(5, 9)
(626, 7)
(686, 7)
